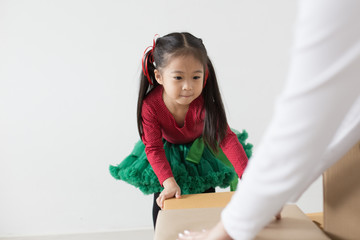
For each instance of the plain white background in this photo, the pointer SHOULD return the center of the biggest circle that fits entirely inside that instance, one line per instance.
(68, 90)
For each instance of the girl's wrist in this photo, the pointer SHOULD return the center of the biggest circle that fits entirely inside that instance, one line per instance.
(169, 182)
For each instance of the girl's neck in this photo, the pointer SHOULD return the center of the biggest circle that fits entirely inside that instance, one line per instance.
(178, 111)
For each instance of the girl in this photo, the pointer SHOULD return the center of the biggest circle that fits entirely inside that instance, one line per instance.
(186, 141)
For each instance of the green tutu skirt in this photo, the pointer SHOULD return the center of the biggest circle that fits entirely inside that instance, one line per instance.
(209, 171)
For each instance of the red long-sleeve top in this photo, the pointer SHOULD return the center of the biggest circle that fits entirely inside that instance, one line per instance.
(159, 123)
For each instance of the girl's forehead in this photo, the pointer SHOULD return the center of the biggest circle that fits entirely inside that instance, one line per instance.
(183, 61)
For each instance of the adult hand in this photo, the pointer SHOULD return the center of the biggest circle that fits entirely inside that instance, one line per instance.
(216, 233)
(171, 189)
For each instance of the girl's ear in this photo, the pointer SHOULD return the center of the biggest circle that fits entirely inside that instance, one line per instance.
(158, 76)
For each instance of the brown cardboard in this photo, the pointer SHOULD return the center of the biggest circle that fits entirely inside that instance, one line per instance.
(317, 218)
(293, 225)
(342, 197)
(203, 200)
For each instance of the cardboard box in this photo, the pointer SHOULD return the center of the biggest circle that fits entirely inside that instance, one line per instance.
(293, 225)
(342, 197)
(204, 200)
(341, 185)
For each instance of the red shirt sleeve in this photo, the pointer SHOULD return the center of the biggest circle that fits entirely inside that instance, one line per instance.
(234, 151)
(154, 147)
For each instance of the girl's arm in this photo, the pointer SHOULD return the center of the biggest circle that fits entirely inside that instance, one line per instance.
(155, 153)
(234, 151)
(154, 147)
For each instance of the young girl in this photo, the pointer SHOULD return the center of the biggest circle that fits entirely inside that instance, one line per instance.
(187, 146)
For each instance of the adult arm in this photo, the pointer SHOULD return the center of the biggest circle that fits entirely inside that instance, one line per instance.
(323, 84)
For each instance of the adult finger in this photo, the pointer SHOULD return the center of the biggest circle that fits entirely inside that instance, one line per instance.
(192, 235)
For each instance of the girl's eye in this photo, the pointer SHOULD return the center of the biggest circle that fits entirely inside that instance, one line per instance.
(178, 78)
(197, 77)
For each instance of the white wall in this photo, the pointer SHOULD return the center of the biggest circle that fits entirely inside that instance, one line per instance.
(68, 88)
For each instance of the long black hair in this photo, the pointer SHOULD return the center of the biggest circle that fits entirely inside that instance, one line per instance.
(180, 44)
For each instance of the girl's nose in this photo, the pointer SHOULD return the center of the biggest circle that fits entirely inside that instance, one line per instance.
(187, 85)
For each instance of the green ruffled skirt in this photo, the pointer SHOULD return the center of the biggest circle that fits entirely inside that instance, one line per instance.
(211, 170)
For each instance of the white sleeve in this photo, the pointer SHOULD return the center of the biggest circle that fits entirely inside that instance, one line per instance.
(304, 138)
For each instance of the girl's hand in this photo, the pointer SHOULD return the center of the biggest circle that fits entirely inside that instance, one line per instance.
(171, 189)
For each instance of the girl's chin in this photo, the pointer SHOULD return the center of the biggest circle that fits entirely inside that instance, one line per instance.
(184, 101)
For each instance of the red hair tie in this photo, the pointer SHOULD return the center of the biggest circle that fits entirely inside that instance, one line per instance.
(146, 58)
(206, 75)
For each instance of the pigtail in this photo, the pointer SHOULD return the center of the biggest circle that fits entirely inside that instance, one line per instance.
(215, 125)
(147, 83)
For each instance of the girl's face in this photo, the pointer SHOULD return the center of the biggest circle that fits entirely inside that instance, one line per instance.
(182, 79)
